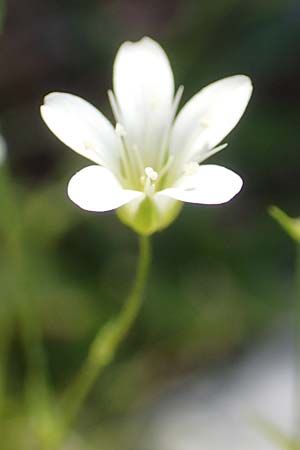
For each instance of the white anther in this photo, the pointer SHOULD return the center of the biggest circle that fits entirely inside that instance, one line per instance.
(120, 130)
(204, 124)
(191, 168)
(149, 180)
(89, 145)
(151, 174)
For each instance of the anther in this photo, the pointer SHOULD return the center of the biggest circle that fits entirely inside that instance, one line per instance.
(151, 174)
(149, 180)
(89, 145)
(120, 130)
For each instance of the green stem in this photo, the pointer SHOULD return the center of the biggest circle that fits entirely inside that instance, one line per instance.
(23, 291)
(297, 342)
(5, 340)
(107, 341)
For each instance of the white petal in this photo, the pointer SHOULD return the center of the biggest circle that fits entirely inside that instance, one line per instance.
(95, 188)
(144, 88)
(210, 184)
(210, 115)
(81, 126)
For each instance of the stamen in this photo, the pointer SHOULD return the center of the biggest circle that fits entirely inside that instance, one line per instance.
(150, 173)
(166, 167)
(120, 130)
(114, 105)
(137, 157)
(177, 99)
(164, 146)
(201, 155)
(121, 133)
(149, 180)
(188, 152)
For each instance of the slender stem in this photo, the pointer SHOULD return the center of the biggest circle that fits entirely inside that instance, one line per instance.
(108, 339)
(22, 291)
(5, 338)
(297, 341)
(31, 335)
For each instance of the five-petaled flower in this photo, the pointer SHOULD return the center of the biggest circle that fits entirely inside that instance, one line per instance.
(148, 164)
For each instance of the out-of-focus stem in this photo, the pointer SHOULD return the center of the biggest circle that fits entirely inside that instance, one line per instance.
(22, 291)
(5, 337)
(107, 341)
(297, 343)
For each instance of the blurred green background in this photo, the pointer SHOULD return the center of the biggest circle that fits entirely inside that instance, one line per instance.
(221, 275)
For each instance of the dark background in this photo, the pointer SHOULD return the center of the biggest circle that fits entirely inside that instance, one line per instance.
(221, 276)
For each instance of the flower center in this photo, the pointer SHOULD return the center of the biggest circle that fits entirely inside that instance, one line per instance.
(133, 174)
(149, 180)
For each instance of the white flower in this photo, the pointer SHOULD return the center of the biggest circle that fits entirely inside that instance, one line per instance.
(149, 162)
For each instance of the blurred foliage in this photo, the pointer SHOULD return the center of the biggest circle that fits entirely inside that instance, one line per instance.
(290, 225)
(220, 275)
(2, 12)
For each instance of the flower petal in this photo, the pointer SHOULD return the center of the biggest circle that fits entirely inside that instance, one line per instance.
(144, 88)
(210, 184)
(95, 188)
(82, 127)
(210, 115)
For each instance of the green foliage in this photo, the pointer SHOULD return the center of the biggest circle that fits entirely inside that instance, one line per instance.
(2, 13)
(289, 225)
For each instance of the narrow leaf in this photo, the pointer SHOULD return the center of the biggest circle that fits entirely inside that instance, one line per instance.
(290, 225)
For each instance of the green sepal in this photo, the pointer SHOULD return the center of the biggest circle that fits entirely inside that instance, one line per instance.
(146, 218)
